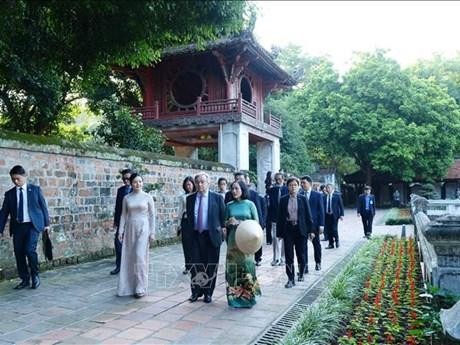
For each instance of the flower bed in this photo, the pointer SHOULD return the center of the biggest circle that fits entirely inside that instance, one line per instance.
(389, 311)
(327, 317)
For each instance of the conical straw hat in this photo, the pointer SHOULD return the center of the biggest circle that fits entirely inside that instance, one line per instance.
(249, 236)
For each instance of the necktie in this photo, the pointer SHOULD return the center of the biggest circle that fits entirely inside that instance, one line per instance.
(21, 207)
(199, 217)
(329, 204)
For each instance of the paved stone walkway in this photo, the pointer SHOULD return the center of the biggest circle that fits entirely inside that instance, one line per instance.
(77, 304)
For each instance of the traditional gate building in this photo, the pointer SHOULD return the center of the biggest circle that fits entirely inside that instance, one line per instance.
(214, 96)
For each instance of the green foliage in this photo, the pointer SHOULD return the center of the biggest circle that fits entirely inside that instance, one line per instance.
(295, 153)
(428, 191)
(380, 116)
(325, 319)
(79, 125)
(120, 128)
(445, 72)
(398, 216)
(52, 51)
(208, 154)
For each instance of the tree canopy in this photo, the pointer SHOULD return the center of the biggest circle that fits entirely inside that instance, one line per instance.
(51, 51)
(386, 119)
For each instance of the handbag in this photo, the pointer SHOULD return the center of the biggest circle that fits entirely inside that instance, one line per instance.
(47, 246)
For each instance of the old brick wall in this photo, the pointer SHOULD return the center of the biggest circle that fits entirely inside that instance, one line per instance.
(80, 187)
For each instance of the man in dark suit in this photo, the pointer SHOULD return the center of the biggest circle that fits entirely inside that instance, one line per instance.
(333, 206)
(121, 192)
(28, 213)
(276, 192)
(315, 200)
(294, 226)
(366, 209)
(205, 219)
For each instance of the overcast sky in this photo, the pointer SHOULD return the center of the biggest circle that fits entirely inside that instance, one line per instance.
(409, 29)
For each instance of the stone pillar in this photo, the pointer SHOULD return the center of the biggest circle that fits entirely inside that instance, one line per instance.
(443, 234)
(264, 163)
(186, 151)
(276, 154)
(234, 145)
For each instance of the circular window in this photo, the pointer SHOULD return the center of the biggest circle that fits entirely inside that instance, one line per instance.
(187, 87)
(246, 90)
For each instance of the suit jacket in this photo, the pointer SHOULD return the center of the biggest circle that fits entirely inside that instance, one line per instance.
(316, 207)
(273, 201)
(216, 216)
(362, 204)
(336, 205)
(121, 192)
(36, 204)
(303, 216)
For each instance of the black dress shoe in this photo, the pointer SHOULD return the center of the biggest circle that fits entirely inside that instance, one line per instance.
(318, 267)
(139, 295)
(115, 271)
(337, 244)
(23, 284)
(35, 282)
(193, 298)
(258, 263)
(289, 284)
(207, 299)
(330, 247)
(300, 279)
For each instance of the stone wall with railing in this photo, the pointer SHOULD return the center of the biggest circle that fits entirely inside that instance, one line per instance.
(437, 224)
(80, 183)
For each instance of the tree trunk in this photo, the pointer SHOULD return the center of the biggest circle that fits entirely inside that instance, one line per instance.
(368, 172)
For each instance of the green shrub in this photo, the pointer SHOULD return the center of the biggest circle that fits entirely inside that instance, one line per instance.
(398, 216)
(327, 317)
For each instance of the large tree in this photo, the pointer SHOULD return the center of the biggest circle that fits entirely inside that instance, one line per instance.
(382, 117)
(50, 50)
(446, 73)
(295, 153)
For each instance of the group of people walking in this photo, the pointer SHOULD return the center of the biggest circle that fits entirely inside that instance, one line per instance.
(292, 213)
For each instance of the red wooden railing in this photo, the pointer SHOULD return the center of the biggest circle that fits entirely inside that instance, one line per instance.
(232, 105)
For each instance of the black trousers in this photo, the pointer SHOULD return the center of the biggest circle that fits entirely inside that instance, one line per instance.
(258, 255)
(316, 250)
(268, 231)
(294, 239)
(118, 246)
(187, 238)
(367, 218)
(25, 239)
(204, 265)
(331, 228)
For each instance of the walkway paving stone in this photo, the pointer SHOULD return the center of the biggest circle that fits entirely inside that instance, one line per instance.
(78, 305)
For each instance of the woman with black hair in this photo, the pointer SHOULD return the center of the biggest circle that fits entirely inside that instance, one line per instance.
(137, 227)
(188, 185)
(240, 271)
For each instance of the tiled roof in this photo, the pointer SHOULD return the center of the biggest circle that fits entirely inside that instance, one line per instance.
(454, 171)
